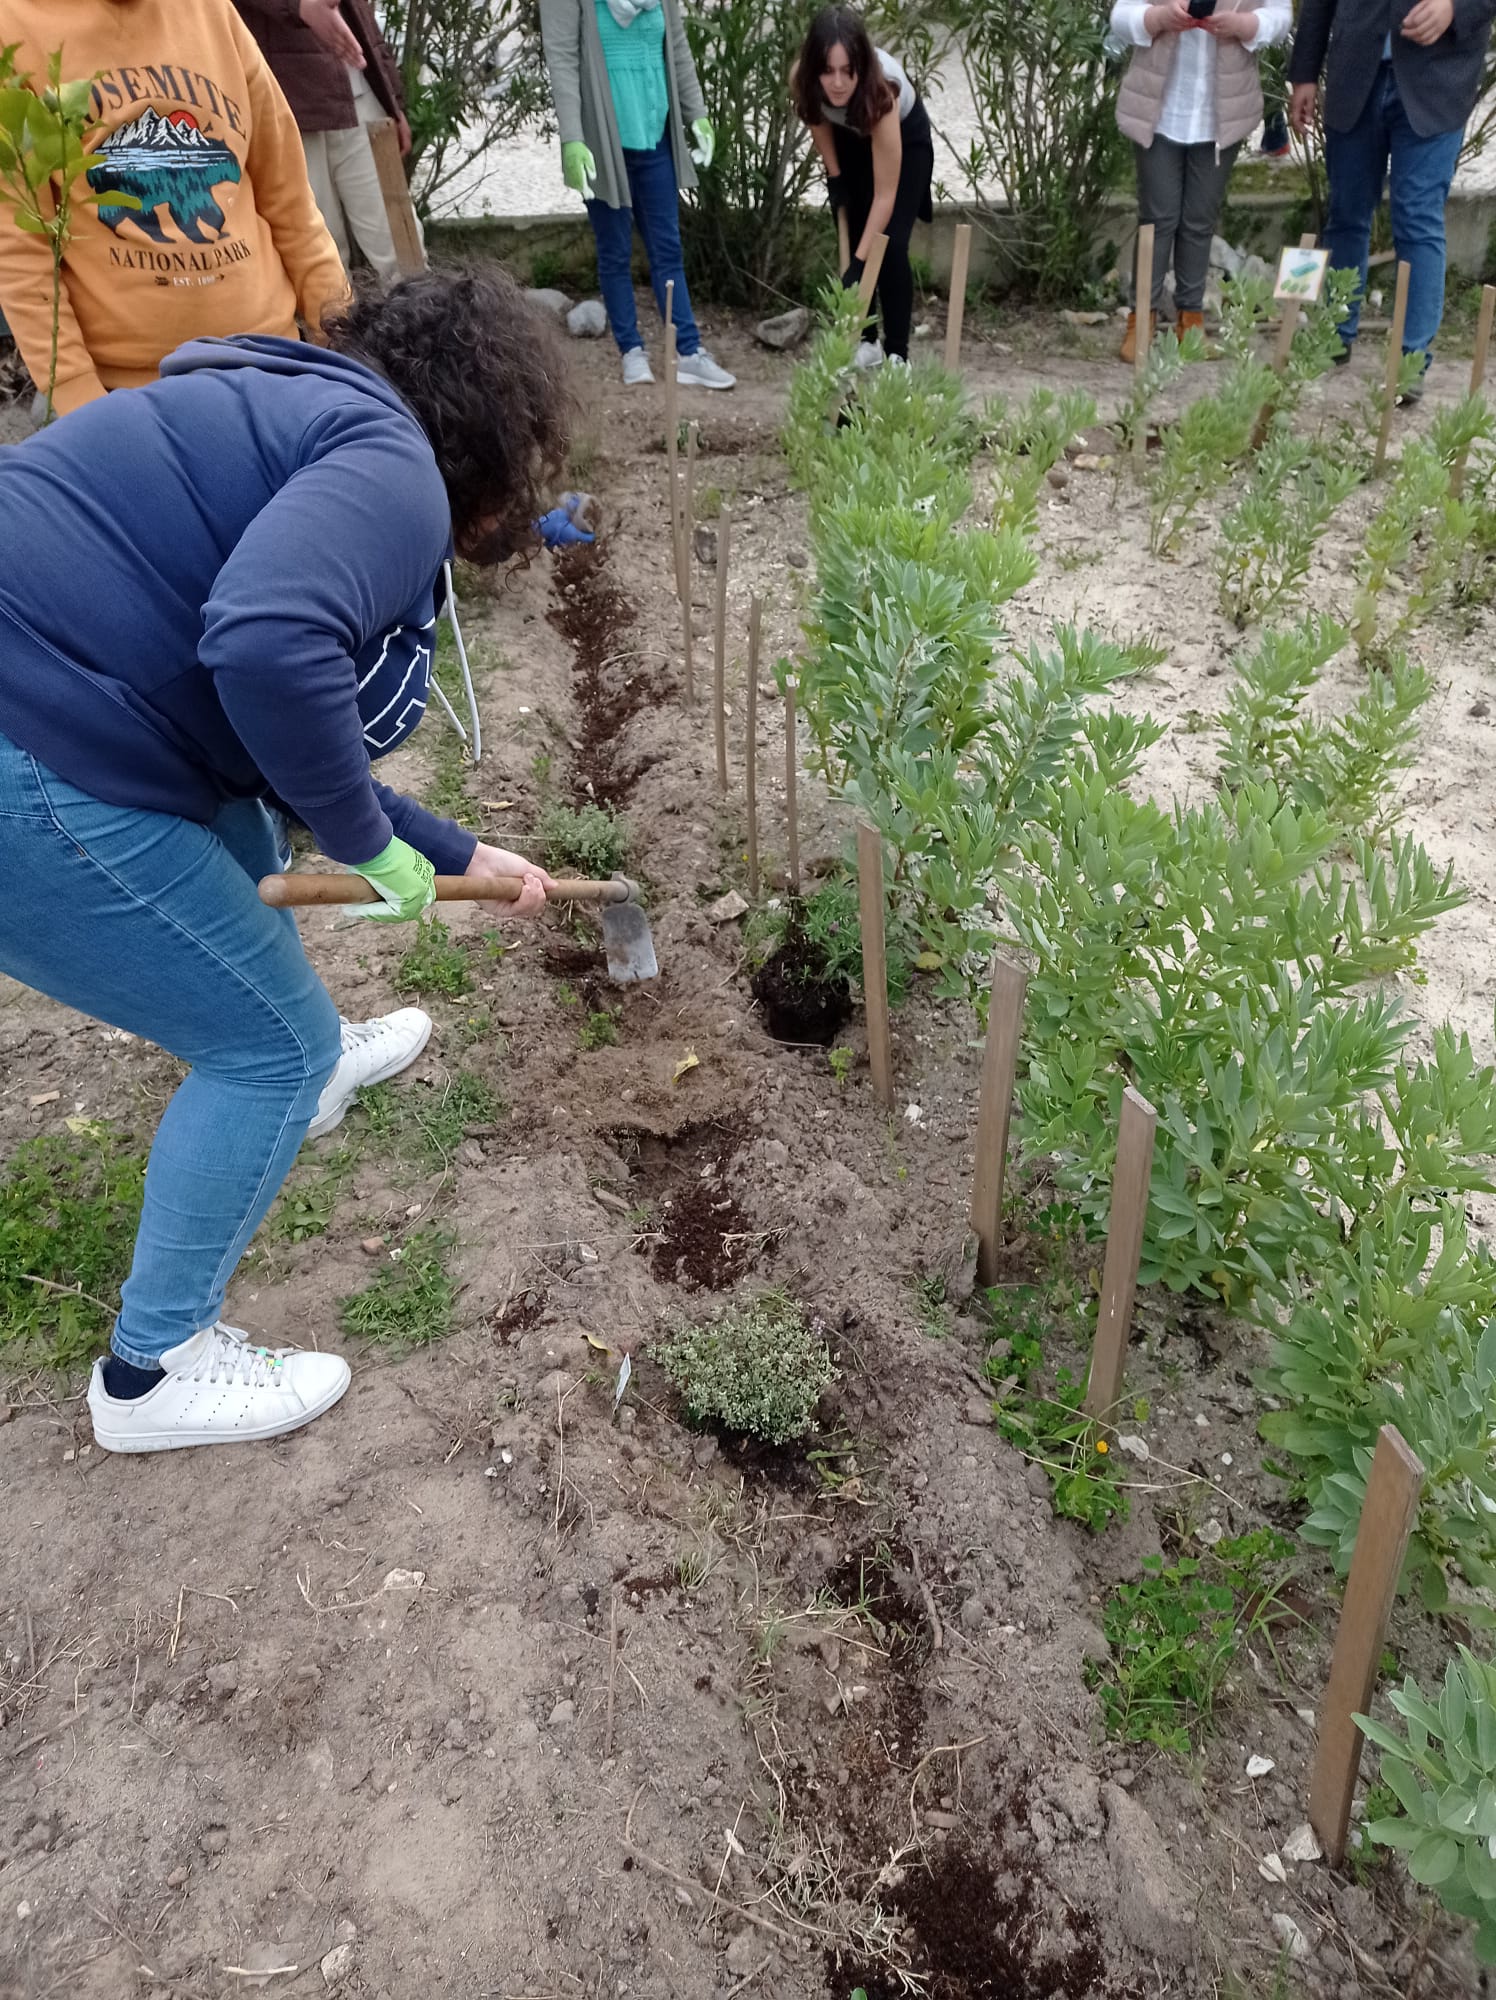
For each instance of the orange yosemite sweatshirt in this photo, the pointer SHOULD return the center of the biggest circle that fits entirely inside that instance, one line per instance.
(227, 239)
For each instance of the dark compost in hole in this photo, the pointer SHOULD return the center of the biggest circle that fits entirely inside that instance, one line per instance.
(800, 1003)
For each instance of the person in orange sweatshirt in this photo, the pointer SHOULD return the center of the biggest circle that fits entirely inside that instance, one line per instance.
(227, 239)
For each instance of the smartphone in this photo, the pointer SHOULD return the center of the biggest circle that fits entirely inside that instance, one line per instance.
(1201, 10)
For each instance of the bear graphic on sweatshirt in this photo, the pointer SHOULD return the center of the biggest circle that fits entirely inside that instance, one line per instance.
(167, 163)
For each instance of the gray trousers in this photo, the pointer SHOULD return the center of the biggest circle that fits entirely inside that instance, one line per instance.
(1180, 191)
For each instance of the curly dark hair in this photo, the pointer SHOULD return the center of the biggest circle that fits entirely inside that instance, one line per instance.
(481, 370)
(871, 100)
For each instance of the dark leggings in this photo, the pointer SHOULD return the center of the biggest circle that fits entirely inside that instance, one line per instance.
(911, 203)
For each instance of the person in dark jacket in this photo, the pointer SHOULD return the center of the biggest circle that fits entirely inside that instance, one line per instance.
(339, 76)
(1400, 79)
(218, 594)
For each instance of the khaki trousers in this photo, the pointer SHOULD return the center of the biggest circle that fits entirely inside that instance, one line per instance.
(340, 167)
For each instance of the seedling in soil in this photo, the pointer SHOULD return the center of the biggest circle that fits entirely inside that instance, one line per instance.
(68, 1212)
(930, 1306)
(1084, 1477)
(410, 1302)
(310, 1198)
(1175, 1635)
(756, 1371)
(568, 995)
(540, 768)
(434, 964)
(599, 1031)
(839, 1062)
(1017, 1333)
(590, 841)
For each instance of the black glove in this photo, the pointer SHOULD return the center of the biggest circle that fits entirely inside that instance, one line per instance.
(852, 276)
(836, 192)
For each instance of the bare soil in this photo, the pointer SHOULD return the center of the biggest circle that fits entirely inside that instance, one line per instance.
(488, 1692)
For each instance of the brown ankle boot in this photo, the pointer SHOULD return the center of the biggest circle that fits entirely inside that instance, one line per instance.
(1129, 348)
(1188, 320)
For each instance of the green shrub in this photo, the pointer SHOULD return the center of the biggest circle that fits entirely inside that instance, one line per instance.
(590, 841)
(757, 1370)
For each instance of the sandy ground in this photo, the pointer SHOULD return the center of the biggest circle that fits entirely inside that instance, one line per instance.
(472, 1689)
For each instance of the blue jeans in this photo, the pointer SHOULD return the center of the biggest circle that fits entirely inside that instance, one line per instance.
(1422, 170)
(655, 206)
(152, 923)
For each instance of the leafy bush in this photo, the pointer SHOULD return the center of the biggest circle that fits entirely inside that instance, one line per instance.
(1269, 537)
(758, 1370)
(590, 841)
(1442, 1772)
(69, 1207)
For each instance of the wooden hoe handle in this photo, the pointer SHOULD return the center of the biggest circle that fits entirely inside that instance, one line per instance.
(285, 892)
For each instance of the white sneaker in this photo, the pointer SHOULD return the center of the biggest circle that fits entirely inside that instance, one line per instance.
(218, 1390)
(373, 1051)
(699, 371)
(869, 355)
(636, 368)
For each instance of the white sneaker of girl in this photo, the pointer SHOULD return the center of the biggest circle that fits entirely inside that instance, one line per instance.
(218, 1389)
(373, 1051)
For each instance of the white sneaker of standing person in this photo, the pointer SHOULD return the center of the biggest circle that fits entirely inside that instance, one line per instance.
(218, 1389)
(699, 371)
(636, 368)
(373, 1051)
(869, 355)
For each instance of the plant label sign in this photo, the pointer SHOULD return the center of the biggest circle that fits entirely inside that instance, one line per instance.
(1301, 275)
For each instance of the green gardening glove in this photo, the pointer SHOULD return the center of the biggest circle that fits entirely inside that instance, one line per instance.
(406, 882)
(578, 168)
(705, 149)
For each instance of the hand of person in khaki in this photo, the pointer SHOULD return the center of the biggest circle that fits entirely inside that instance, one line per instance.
(1169, 17)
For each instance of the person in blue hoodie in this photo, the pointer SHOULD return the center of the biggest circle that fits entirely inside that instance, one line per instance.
(217, 599)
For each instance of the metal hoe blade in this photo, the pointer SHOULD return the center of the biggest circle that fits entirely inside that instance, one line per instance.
(629, 945)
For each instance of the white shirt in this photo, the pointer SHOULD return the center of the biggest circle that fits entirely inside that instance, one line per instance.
(1189, 112)
(894, 74)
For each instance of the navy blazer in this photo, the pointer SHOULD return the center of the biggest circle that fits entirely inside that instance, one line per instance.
(1438, 85)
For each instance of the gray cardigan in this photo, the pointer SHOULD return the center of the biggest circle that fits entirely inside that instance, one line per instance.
(584, 98)
(1438, 85)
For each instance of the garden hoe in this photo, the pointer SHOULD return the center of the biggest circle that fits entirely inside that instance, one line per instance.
(626, 935)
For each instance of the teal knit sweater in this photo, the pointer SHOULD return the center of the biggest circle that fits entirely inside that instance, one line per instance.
(635, 57)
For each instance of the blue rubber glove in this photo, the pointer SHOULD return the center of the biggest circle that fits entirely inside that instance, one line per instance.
(559, 530)
(406, 882)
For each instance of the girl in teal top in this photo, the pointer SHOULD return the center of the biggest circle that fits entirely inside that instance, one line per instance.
(625, 90)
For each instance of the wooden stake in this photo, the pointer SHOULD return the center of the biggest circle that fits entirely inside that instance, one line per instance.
(873, 269)
(1387, 1516)
(843, 241)
(719, 670)
(999, 1066)
(750, 749)
(1124, 1249)
(687, 536)
(791, 781)
(870, 899)
(1288, 323)
(955, 311)
(1142, 306)
(405, 231)
(1477, 374)
(1394, 363)
(672, 439)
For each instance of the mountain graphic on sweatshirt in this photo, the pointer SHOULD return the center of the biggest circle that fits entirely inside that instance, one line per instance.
(166, 163)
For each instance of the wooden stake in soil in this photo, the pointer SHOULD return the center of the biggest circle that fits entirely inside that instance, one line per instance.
(719, 668)
(1142, 306)
(999, 1065)
(1288, 323)
(870, 899)
(791, 782)
(1387, 1516)
(750, 748)
(955, 311)
(672, 439)
(1394, 363)
(1477, 373)
(1124, 1249)
(873, 270)
(687, 536)
(843, 241)
(405, 231)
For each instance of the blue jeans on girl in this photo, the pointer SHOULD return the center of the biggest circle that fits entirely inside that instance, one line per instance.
(152, 923)
(1422, 170)
(655, 206)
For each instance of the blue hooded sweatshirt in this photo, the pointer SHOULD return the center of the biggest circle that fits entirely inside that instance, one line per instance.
(223, 586)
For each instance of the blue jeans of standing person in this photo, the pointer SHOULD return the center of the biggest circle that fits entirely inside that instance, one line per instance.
(655, 205)
(1422, 170)
(152, 923)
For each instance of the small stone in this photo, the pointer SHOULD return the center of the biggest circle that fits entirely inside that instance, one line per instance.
(1156, 1903)
(973, 1614)
(797, 559)
(743, 1953)
(223, 1680)
(176, 1878)
(563, 1714)
(1135, 1447)
(213, 1840)
(727, 909)
(588, 321)
(347, 1931)
(704, 540)
(1271, 1868)
(1288, 1934)
(1058, 477)
(627, 1418)
(372, 1246)
(1259, 1766)
(337, 1965)
(549, 300)
(1479, 708)
(469, 1154)
(456, 1734)
(1036, 1479)
(1302, 1844)
(785, 329)
(526, 1732)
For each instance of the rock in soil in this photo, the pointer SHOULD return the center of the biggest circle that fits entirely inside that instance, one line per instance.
(786, 329)
(549, 300)
(1157, 1905)
(587, 321)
